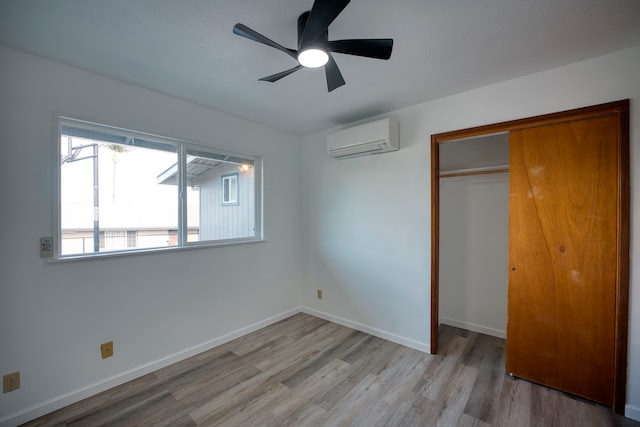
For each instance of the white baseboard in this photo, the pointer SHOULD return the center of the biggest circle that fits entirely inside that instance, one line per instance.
(417, 345)
(59, 402)
(475, 328)
(632, 412)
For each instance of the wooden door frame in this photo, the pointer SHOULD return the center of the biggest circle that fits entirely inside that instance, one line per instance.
(621, 110)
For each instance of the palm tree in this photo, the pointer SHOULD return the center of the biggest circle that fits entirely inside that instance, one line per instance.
(115, 148)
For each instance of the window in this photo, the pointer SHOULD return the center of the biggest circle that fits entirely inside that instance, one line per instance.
(121, 190)
(230, 189)
(132, 238)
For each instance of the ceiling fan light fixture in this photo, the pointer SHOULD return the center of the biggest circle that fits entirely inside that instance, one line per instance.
(313, 58)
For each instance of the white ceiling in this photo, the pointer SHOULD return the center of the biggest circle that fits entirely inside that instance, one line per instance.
(187, 49)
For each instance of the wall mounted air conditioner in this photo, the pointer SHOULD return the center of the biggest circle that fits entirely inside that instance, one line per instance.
(376, 137)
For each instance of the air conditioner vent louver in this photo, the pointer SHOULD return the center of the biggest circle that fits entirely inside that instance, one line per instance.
(376, 137)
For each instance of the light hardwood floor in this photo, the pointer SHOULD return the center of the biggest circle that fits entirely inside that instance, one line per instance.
(305, 371)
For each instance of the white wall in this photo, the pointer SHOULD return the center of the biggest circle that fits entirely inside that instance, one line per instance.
(474, 242)
(156, 307)
(367, 220)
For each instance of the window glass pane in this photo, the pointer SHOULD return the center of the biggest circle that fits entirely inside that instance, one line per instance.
(111, 189)
(225, 190)
(221, 199)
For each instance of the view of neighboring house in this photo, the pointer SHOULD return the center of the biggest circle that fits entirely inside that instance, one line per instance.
(127, 195)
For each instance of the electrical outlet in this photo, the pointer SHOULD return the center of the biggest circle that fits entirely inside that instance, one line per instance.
(106, 349)
(319, 293)
(11, 382)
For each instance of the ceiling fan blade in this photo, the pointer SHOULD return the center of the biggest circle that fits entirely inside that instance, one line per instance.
(334, 76)
(371, 48)
(244, 31)
(275, 77)
(322, 15)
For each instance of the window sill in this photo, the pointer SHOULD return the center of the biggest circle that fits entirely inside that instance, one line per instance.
(119, 254)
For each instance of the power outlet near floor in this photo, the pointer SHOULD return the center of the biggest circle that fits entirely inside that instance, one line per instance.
(11, 382)
(106, 349)
(319, 293)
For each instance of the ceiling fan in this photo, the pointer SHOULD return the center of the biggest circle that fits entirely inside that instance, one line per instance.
(314, 47)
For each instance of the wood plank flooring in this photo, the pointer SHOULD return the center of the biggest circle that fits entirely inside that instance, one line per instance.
(305, 371)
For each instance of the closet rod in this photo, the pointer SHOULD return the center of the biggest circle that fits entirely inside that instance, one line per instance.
(476, 171)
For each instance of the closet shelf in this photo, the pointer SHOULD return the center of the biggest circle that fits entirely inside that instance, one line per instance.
(475, 171)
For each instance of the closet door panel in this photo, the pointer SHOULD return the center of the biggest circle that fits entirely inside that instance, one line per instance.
(562, 255)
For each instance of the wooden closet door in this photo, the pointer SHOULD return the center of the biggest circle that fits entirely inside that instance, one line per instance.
(562, 256)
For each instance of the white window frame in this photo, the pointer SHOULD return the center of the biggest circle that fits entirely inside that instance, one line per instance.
(182, 147)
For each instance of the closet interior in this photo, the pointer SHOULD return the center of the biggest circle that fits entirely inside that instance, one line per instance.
(474, 218)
